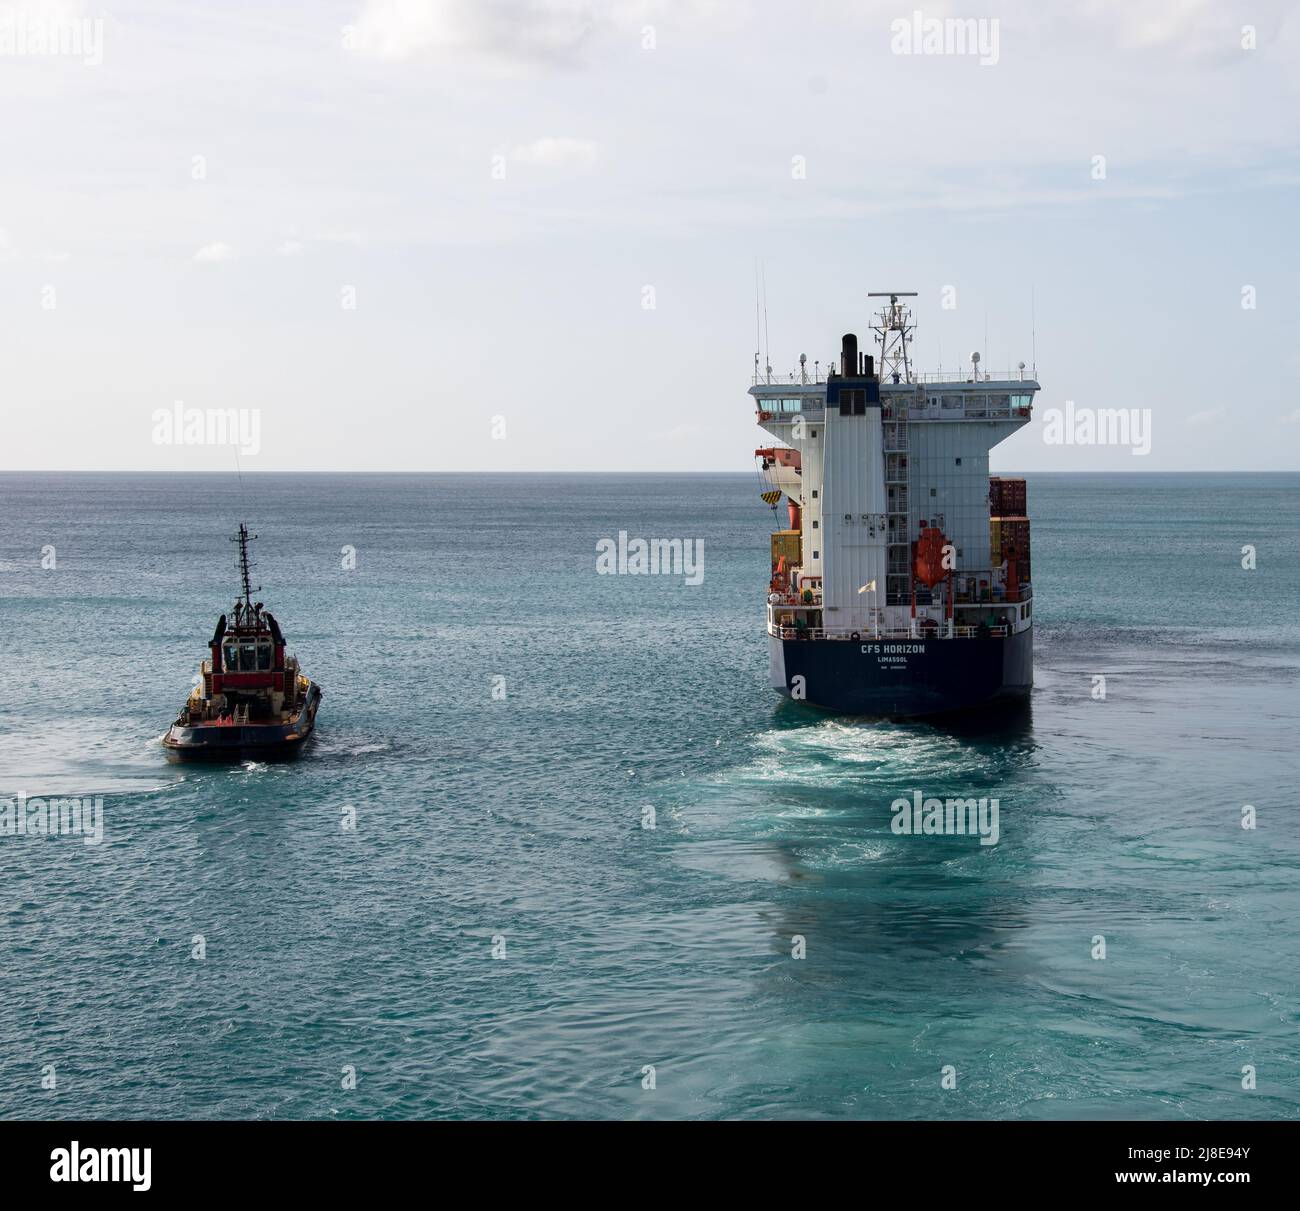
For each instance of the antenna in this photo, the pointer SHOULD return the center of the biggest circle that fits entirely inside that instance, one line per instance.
(894, 334)
(245, 567)
(758, 328)
(1033, 333)
(767, 339)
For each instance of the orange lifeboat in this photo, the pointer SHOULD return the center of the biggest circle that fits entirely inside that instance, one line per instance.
(927, 560)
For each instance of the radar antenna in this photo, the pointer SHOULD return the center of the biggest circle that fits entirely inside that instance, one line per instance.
(246, 567)
(894, 329)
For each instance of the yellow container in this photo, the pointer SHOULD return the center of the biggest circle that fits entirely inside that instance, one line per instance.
(1007, 532)
(787, 543)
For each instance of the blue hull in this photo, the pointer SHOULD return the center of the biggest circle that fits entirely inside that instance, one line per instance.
(904, 678)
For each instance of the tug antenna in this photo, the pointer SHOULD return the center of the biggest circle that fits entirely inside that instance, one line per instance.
(245, 567)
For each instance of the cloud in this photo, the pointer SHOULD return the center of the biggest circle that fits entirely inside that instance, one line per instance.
(553, 152)
(210, 254)
(289, 248)
(1199, 420)
(548, 32)
(1293, 419)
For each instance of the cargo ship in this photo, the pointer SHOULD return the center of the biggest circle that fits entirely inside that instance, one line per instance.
(250, 700)
(901, 586)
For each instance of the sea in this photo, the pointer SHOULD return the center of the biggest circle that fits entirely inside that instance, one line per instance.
(558, 851)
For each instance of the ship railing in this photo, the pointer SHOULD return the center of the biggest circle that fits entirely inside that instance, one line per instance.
(1018, 375)
(766, 416)
(815, 378)
(972, 410)
(792, 378)
(887, 633)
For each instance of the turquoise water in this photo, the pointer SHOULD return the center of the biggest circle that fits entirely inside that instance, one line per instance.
(480, 818)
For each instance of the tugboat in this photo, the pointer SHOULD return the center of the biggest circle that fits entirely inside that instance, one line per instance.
(251, 701)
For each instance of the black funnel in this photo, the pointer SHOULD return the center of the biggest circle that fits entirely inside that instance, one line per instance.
(849, 354)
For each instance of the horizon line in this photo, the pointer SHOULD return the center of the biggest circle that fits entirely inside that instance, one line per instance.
(426, 471)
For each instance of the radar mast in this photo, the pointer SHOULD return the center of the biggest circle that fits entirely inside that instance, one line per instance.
(894, 329)
(245, 569)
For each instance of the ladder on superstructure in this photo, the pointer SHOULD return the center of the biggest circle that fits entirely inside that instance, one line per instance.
(893, 333)
(898, 547)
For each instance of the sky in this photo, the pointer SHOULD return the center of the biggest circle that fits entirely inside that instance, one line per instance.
(458, 235)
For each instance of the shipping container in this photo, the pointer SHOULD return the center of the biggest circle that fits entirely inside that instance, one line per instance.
(1007, 497)
(1008, 533)
(786, 542)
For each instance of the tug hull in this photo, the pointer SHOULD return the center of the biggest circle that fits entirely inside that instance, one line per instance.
(245, 742)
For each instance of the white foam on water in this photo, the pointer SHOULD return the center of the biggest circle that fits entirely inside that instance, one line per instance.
(842, 854)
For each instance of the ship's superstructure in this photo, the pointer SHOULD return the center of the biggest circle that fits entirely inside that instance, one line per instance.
(250, 698)
(901, 585)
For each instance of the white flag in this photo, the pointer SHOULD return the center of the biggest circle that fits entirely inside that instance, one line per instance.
(869, 587)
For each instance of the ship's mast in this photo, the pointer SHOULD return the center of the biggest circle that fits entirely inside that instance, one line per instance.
(245, 567)
(894, 329)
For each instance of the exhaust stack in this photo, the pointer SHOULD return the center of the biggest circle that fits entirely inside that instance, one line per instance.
(849, 354)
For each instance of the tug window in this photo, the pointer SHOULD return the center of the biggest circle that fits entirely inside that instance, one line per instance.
(248, 657)
(230, 658)
(263, 656)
